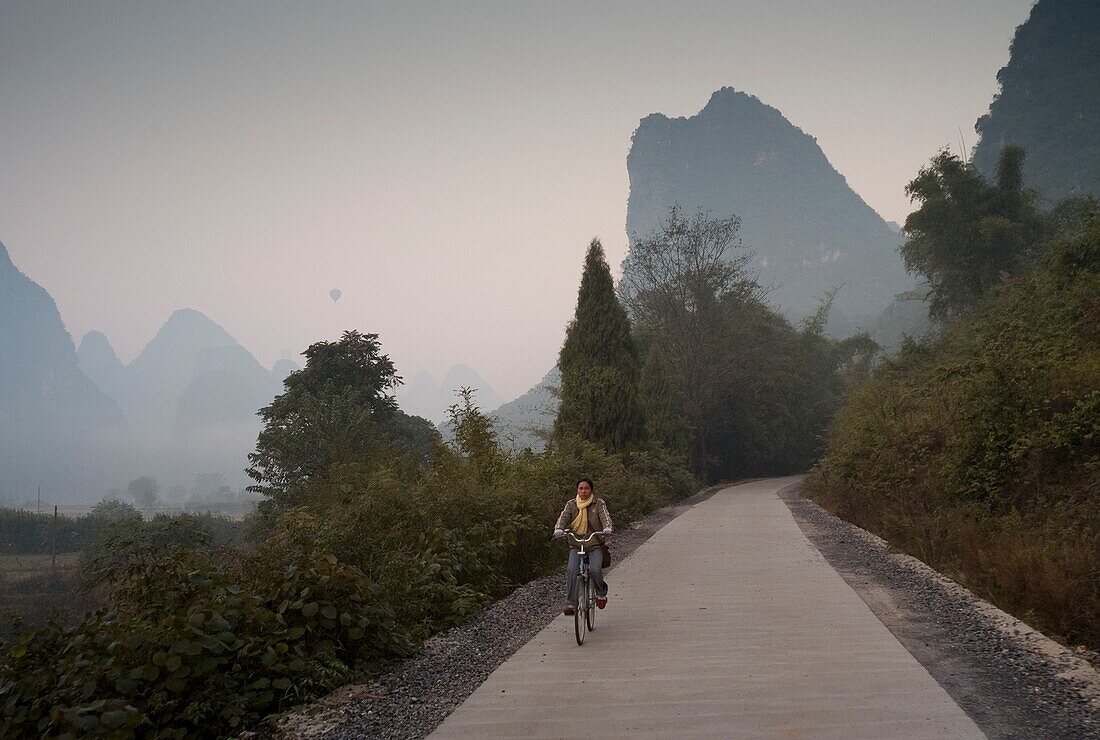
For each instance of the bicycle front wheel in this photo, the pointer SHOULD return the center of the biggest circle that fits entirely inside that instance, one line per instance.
(590, 609)
(579, 618)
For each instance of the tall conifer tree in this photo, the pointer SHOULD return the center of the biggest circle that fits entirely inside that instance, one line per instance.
(599, 365)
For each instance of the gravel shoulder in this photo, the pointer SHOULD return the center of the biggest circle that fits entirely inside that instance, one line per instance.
(1011, 680)
(411, 698)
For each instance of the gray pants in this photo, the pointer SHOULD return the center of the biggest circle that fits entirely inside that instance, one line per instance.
(595, 572)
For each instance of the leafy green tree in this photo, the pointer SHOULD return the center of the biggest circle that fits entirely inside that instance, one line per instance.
(415, 435)
(475, 440)
(969, 234)
(599, 365)
(336, 411)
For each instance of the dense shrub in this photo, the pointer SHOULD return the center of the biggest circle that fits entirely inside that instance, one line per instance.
(25, 532)
(201, 640)
(198, 643)
(115, 542)
(979, 452)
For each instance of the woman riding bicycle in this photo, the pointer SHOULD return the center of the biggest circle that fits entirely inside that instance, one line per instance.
(584, 515)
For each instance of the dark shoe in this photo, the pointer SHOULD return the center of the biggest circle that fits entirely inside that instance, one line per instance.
(569, 610)
(601, 601)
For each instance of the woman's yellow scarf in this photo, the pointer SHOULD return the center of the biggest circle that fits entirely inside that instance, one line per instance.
(580, 523)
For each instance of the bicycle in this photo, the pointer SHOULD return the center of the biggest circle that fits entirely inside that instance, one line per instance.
(584, 615)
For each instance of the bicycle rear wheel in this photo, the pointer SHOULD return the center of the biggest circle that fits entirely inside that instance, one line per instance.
(590, 608)
(579, 618)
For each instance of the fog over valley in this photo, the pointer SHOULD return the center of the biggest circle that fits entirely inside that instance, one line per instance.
(201, 218)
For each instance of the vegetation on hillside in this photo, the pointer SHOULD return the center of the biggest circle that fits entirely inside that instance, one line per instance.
(979, 451)
(968, 234)
(25, 532)
(374, 534)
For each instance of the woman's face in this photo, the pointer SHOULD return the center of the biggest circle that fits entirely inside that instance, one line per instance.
(584, 490)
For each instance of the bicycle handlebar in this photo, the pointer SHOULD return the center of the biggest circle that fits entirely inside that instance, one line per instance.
(588, 538)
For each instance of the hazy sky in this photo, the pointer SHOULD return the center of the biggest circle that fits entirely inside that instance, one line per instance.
(444, 164)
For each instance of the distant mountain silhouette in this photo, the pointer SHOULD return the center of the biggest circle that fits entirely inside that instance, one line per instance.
(1049, 101)
(40, 380)
(528, 420)
(810, 231)
(49, 409)
(81, 423)
(193, 373)
(421, 396)
(281, 369)
(229, 386)
(191, 397)
(907, 317)
(100, 363)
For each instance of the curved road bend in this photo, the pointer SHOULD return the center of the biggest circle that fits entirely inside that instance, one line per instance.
(726, 623)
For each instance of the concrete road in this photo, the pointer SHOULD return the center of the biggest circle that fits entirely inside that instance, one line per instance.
(726, 623)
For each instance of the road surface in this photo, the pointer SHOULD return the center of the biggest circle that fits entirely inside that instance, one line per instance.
(726, 623)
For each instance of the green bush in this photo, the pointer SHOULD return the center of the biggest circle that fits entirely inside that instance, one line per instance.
(114, 542)
(979, 452)
(207, 640)
(198, 643)
(25, 532)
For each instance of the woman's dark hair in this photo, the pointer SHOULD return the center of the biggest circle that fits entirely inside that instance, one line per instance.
(591, 485)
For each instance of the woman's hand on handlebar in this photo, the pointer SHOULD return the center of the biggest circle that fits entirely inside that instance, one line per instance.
(558, 534)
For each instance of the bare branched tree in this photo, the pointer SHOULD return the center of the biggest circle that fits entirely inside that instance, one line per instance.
(684, 284)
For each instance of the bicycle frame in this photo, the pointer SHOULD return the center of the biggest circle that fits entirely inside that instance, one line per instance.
(584, 615)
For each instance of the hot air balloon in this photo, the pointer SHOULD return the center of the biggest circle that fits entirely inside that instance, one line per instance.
(335, 294)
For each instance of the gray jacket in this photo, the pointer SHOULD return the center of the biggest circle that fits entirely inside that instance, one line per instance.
(598, 518)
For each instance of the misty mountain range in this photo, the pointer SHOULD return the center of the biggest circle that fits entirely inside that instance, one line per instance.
(49, 410)
(422, 396)
(80, 422)
(190, 375)
(528, 420)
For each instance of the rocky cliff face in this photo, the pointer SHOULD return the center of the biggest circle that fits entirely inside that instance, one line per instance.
(810, 231)
(39, 375)
(49, 410)
(1049, 102)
